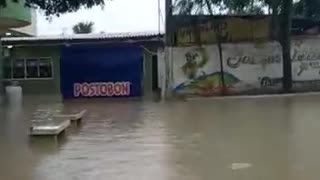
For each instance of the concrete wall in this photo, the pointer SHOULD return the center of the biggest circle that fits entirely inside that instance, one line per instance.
(233, 29)
(252, 68)
(45, 86)
(306, 64)
(248, 68)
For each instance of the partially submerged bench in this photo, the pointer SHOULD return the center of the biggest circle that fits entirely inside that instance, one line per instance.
(49, 127)
(76, 116)
(50, 121)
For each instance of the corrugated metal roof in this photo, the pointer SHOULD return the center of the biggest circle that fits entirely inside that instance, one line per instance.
(100, 36)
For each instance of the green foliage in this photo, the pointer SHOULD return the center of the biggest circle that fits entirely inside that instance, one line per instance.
(57, 7)
(83, 28)
(304, 8)
(219, 6)
(3, 3)
(307, 8)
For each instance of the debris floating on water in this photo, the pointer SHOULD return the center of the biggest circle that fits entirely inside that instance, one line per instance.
(239, 166)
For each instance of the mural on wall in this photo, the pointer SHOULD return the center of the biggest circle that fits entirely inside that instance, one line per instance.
(247, 67)
(197, 72)
(258, 66)
(306, 63)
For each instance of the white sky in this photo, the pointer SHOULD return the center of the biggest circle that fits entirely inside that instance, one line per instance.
(117, 16)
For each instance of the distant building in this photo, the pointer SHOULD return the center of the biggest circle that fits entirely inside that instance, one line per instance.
(15, 20)
(84, 65)
(30, 30)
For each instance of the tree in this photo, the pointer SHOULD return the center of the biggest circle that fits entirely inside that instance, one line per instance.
(304, 8)
(276, 8)
(83, 28)
(285, 41)
(237, 7)
(57, 7)
(307, 8)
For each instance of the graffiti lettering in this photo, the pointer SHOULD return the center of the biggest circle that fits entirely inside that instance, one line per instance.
(101, 89)
(305, 66)
(207, 32)
(222, 29)
(305, 55)
(235, 62)
(269, 82)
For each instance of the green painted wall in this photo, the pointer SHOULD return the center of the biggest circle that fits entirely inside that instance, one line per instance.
(31, 87)
(15, 14)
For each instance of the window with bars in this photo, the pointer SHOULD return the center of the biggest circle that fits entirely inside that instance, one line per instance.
(28, 68)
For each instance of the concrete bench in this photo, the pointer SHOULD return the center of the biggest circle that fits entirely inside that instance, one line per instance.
(77, 116)
(51, 127)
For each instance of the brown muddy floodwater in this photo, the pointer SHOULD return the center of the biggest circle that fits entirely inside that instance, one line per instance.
(239, 139)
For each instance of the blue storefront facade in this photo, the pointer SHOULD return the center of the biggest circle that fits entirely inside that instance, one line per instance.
(100, 67)
(101, 71)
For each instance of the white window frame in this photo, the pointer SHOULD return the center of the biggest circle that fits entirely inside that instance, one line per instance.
(25, 69)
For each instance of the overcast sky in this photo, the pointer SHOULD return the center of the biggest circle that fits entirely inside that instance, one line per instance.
(117, 16)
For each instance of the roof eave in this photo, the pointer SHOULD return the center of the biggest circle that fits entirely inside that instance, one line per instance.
(132, 40)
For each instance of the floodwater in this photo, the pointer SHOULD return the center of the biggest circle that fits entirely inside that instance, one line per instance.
(232, 139)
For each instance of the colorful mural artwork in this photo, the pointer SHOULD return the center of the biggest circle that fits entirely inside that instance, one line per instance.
(247, 68)
(208, 85)
(195, 60)
(202, 73)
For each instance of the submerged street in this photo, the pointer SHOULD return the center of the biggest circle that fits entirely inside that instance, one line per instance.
(227, 139)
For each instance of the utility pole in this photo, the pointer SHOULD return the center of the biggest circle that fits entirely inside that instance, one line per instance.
(168, 43)
(285, 39)
(159, 18)
(168, 29)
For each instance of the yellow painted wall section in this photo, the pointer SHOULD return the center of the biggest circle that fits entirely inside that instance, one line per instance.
(232, 30)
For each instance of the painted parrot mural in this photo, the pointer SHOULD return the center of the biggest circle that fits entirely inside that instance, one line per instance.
(199, 82)
(208, 85)
(195, 60)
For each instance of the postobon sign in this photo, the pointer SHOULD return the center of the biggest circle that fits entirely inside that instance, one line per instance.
(101, 89)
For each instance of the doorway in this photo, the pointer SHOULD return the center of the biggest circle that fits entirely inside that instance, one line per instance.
(155, 85)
